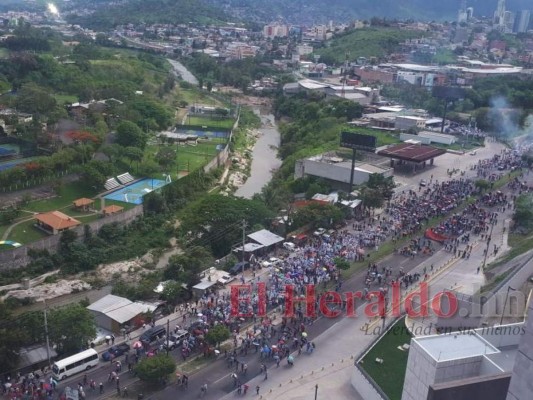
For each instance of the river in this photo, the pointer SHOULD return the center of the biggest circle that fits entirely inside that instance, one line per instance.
(264, 156)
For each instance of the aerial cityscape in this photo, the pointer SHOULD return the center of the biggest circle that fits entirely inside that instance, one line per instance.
(272, 200)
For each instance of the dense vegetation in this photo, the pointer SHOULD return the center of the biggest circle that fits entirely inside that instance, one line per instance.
(237, 73)
(149, 12)
(368, 42)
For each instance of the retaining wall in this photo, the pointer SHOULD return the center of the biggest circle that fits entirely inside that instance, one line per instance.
(19, 257)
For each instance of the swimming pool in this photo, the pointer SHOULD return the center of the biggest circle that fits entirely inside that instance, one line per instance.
(134, 193)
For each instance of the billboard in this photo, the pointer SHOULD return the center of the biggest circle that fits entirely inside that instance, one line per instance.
(358, 141)
(448, 92)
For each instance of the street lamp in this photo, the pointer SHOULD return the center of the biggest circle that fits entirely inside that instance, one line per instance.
(509, 288)
(316, 391)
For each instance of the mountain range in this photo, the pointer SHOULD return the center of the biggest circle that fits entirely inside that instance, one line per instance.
(315, 11)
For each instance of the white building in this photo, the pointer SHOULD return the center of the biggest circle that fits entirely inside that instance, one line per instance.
(336, 169)
(275, 30)
(476, 364)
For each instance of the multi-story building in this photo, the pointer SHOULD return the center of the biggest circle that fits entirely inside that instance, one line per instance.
(521, 22)
(275, 30)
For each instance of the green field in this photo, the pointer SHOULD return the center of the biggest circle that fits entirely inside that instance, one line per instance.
(25, 232)
(389, 375)
(226, 123)
(67, 195)
(63, 99)
(188, 158)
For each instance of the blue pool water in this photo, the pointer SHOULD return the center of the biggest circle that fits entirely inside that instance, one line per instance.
(134, 193)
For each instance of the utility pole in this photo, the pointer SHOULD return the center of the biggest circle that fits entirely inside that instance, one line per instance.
(243, 241)
(168, 334)
(46, 335)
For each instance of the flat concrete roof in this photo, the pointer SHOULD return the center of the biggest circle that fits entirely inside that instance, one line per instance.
(452, 347)
(411, 152)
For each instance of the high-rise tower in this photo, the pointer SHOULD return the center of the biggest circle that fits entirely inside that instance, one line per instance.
(462, 15)
(499, 14)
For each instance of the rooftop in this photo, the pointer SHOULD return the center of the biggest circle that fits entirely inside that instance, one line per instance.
(452, 347)
(411, 152)
(265, 237)
(57, 220)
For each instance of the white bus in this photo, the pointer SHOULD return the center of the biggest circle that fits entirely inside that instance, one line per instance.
(74, 364)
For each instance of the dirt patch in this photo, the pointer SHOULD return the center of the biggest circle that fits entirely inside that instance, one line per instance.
(48, 291)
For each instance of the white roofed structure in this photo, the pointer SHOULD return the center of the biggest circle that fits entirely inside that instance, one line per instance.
(265, 238)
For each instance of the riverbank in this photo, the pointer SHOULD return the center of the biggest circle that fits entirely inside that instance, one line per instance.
(264, 156)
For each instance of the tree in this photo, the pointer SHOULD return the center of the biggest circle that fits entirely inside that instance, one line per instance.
(71, 327)
(129, 134)
(215, 220)
(523, 216)
(173, 293)
(384, 184)
(316, 214)
(154, 369)
(134, 154)
(166, 157)
(11, 339)
(482, 185)
(186, 267)
(217, 334)
(372, 198)
(341, 263)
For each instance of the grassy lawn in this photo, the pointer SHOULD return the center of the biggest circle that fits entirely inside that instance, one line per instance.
(68, 194)
(65, 99)
(188, 157)
(26, 233)
(519, 245)
(492, 284)
(226, 123)
(389, 375)
(194, 96)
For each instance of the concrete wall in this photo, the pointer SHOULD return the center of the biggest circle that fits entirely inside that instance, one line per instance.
(334, 172)
(521, 386)
(363, 386)
(486, 388)
(420, 373)
(18, 257)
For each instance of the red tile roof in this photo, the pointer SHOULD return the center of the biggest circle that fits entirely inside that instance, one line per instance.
(57, 220)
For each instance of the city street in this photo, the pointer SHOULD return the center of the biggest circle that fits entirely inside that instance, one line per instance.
(337, 340)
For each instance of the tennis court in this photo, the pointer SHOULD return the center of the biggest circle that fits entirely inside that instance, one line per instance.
(8, 150)
(13, 163)
(134, 193)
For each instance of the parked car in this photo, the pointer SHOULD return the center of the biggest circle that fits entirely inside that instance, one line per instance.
(239, 267)
(423, 182)
(152, 334)
(319, 232)
(225, 279)
(175, 340)
(473, 153)
(115, 351)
